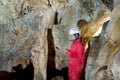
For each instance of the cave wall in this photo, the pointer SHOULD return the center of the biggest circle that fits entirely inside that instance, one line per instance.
(24, 31)
(23, 34)
(103, 61)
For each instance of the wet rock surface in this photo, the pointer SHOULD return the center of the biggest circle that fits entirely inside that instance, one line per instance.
(36, 31)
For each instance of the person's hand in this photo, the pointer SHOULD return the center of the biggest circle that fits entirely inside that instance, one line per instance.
(66, 50)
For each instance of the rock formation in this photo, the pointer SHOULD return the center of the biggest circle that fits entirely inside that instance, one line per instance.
(36, 31)
(23, 29)
(103, 61)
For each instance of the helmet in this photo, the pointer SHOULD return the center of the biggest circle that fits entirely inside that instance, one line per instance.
(74, 30)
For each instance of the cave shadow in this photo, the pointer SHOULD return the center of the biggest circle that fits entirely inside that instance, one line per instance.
(18, 73)
(26, 73)
(5, 75)
(51, 69)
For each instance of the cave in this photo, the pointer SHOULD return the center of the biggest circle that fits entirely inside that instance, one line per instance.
(34, 36)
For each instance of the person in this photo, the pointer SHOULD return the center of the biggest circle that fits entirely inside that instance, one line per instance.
(75, 55)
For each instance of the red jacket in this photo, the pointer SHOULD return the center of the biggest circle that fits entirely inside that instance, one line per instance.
(76, 52)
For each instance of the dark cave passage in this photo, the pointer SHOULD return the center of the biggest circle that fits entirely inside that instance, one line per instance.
(52, 72)
(24, 74)
(19, 73)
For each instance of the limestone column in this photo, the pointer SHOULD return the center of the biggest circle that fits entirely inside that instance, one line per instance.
(39, 52)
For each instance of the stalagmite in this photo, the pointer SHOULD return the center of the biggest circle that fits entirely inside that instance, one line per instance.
(40, 49)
